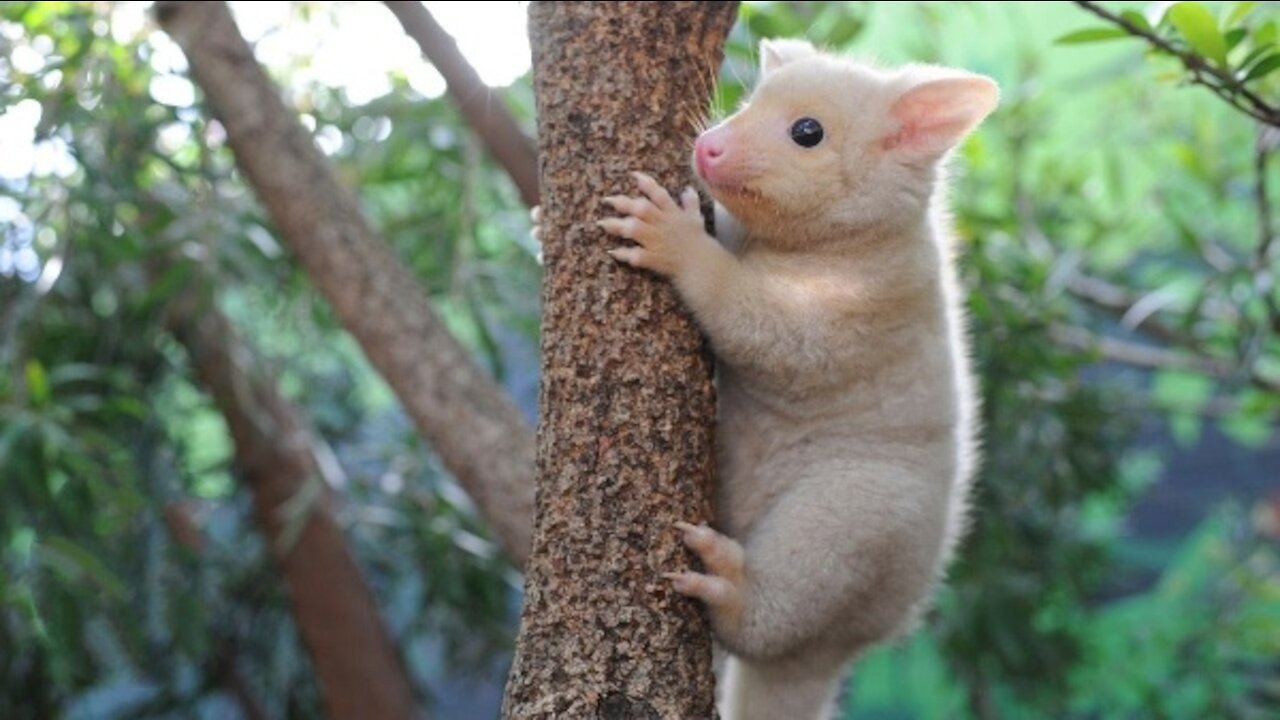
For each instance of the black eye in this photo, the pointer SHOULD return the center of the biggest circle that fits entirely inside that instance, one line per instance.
(807, 132)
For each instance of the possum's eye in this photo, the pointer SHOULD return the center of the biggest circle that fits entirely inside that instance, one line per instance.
(807, 132)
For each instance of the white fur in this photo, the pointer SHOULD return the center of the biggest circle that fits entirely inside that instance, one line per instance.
(847, 409)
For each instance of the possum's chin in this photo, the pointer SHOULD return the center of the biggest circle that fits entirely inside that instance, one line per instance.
(722, 184)
(733, 195)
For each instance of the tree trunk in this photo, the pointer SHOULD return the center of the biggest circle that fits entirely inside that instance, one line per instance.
(468, 419)
(359, 672)
(627, 405)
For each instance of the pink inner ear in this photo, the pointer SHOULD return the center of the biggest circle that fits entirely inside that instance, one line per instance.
(937, 114)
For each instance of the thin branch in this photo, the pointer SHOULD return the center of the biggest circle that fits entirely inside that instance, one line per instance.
(1223, 84)
(1118, 301)
(1155, 358)
(1267, 140)
(1263, 272)
(486, 114)
(1139, 355)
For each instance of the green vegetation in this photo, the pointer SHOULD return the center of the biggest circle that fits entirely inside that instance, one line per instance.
(1116, 217)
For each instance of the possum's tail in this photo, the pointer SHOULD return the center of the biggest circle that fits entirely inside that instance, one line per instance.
(779, 690)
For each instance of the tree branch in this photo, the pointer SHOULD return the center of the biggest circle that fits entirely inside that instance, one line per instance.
(1223, 84)
(359, 671)
(469, 420)
(1118, 302)
(1156, 358)
(1263, 272)
(1139, 355)
(485, 113)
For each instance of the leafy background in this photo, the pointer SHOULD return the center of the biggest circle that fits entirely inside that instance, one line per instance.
(1124, 560)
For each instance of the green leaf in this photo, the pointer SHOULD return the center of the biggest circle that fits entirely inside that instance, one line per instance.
(37, 383)
(1200, 30)
(1254, 55)
(69, 373)
(9, 434)
(1233, 38)
(74, 561)
(1089, 35)
(844, 30)
(1136, 18)
(1182, 391)
(1238, 12)
(1264, 67)
(176, 277)
(1250, 431)
(1157, 13)
(1185, 429)
(1265, 35)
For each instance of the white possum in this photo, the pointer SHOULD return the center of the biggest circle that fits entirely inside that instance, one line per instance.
(847, 412)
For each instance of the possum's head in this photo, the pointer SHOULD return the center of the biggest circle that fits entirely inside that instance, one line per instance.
(826, 143)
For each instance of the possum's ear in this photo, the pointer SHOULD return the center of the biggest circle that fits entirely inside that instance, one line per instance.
(776, 53)
(935, 115)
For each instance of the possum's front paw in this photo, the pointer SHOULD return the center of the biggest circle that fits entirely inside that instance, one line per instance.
(721, 586)
(665, 232)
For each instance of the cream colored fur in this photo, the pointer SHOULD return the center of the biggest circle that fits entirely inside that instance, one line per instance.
(847, 411)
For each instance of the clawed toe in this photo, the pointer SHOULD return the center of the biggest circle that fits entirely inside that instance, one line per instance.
(720, 554)
(708, 588)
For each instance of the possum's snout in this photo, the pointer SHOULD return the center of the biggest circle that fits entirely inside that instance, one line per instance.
(707, 152)
(714, 158)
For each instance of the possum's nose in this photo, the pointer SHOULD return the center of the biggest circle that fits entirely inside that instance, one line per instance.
(708, 151)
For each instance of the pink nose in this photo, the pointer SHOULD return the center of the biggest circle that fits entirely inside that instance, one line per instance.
(709, 149)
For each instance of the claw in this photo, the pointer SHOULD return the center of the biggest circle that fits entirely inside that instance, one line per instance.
(629, 206)
(721, 555)
(708, 588)
(633, 256)
(622, 227)
(657, 194)
(690, 201)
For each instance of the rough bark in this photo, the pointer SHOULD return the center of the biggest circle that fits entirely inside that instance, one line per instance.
(627, 405)
(359, 671)
(467, 418)
(486, 114)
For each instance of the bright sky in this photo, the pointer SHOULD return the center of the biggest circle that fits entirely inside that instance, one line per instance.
(368, 43)
(357, 52)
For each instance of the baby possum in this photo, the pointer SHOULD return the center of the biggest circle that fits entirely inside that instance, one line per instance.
(847, 412)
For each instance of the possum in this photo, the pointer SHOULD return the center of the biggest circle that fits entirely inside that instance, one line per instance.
(847, 413)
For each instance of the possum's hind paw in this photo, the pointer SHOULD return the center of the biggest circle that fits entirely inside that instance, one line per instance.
(721, 586)
(720, 554)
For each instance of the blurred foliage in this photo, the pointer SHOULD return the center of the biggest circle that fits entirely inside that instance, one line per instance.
(1102, 211)
(103, 436)
(1201, 643)
(1232, 55)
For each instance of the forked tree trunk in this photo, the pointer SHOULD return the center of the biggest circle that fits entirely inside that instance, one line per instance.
(468, 419)
(627, 406)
